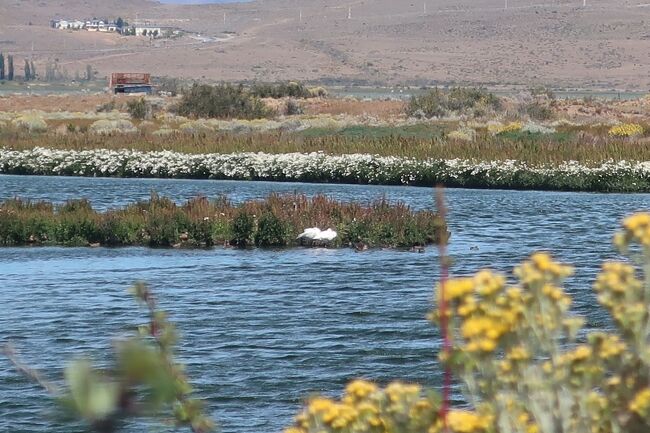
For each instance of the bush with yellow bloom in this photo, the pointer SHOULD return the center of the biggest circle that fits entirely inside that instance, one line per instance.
(626, 130)
(524, 363)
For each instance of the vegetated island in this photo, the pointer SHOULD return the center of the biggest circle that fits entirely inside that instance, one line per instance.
(276, 221)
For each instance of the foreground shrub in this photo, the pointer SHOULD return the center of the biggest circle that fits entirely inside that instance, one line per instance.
(159, 222)
(526, 363)
(144, 380)
(438, 103)
(223, 101)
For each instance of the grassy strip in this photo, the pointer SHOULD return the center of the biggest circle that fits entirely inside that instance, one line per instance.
(159, 222)
(590, 146)
(318, 167)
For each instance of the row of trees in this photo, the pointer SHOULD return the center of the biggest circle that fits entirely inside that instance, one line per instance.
(53, 72)
(8, 72)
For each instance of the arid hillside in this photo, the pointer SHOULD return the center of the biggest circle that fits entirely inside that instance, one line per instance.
(553, 42)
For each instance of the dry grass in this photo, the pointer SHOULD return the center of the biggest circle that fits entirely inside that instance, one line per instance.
(353, 107)
(583, 146)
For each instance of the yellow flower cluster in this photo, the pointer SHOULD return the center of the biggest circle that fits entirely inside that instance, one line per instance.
(636, 228)
(516, 350)
(640, 404)
(496, 129)
(626, 130)
(460, 421)
(487, 311)
(366, 408)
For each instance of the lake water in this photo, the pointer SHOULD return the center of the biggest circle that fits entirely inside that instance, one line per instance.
(263, 329)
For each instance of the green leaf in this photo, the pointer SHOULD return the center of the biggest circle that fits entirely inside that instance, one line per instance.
(93, 397)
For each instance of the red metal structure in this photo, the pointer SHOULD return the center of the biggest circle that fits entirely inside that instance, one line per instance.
(130, 82)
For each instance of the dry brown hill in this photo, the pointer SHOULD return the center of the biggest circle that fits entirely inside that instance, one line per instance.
(553, 42)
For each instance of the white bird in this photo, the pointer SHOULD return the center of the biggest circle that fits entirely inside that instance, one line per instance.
(316, 234)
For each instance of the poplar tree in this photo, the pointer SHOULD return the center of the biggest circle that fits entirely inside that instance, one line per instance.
(28, 71)
(2, 67)
(10, 67)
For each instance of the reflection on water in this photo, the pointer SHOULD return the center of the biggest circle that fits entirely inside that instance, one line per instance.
(263, 329)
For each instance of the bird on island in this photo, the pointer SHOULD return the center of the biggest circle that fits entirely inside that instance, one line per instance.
(316, 234)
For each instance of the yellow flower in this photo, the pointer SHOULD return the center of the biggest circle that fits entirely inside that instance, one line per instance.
(580, 353)
(641, 402)
(466, 422)
(360, 389)
(626, 130)
(488, 283)
(518, 353)
(456, 288)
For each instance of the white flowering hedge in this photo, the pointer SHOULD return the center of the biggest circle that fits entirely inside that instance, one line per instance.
(320, 167)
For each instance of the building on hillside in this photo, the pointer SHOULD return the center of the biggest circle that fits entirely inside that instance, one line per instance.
(67, 24)
(148, 30)
(95, 25)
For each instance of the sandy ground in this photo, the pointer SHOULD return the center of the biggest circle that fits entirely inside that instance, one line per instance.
(550, 42)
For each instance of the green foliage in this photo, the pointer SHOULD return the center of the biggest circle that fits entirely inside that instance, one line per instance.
(271, 231)
(281, 90)
(10, 68)
(137, 108)
(438, 103)
(223, 101)
(242, 229)
(144, 380)
(28, 71)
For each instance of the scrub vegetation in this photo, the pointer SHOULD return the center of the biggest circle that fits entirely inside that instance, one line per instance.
(273, 222)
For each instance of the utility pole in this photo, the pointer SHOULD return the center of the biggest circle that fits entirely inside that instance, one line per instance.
(349, 12)
(300, 15)
(506, 4)
(424, 8)
(224, 18)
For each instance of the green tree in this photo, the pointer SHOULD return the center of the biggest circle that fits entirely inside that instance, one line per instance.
(89, 72)
(2, 67)
(144, 32)
(32, 69)
(10, 68)
(28, 71)
(119, 23)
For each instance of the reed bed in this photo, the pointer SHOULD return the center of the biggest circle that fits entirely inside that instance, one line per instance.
(592, 146)
(275, 221)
